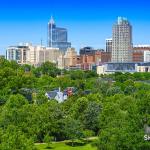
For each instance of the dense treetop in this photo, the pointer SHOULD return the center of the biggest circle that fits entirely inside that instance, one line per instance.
(117, 108)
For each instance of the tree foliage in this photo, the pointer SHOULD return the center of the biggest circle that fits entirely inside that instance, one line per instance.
(116, 110)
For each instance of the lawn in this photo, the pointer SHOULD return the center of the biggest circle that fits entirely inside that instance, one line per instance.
(64, 146)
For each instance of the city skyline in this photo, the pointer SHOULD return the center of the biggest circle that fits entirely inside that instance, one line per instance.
(88, 23)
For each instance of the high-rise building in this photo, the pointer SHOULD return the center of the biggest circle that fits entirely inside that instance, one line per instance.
(57, 37)
(122, 41)
(20, 54)
(109, 45)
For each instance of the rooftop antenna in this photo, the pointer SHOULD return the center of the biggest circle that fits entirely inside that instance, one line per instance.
(52, 20)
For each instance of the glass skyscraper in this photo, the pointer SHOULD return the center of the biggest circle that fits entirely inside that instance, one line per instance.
(57, 37)
(122, 41)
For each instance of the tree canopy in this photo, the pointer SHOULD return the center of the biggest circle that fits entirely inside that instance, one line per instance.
(113, 107)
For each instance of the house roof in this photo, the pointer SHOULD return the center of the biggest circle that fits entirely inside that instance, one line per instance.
(52, 94)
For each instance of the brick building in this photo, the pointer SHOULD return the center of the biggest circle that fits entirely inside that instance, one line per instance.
(90, 57)
(138, 52)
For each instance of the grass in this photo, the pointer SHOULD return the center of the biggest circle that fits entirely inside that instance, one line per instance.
(65, 146)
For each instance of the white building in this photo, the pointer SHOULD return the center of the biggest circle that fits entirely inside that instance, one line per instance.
(146, 56)
(20, 54)
(122, 41)
(33, 55)
(57, 95)
(110, 68)
(52, 54)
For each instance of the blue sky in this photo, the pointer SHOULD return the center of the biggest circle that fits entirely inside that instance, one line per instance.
(89, 22)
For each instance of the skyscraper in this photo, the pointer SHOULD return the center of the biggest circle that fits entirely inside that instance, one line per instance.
(122, 41)
(57, 37)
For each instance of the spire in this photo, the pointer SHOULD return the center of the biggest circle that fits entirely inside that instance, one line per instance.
(52, 20)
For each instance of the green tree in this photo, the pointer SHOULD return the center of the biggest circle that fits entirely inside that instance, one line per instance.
(87, 134)
(41, 98)
(114, 90)
(79, 74)
(15, 101)
(47, 68)
(121, 126)
(91, 116)
(48, 139)
(101, 86)
(73, 130)
(11, 111)
(15, 139)
(77, 110)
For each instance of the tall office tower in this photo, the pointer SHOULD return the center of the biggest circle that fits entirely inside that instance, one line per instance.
(57, 37)
(109, 45)
(122, 41)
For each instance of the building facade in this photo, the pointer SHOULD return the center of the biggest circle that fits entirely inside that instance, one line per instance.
(70, 60)
(109, 45)
(32, 55)
(70, 57)
(123, 67)
(146, 56)
(91, 57)
(140, 53)
(57, 37)
(20, 54)
(122, 41)
(87, 50)
(102, 57)
(52, 54)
